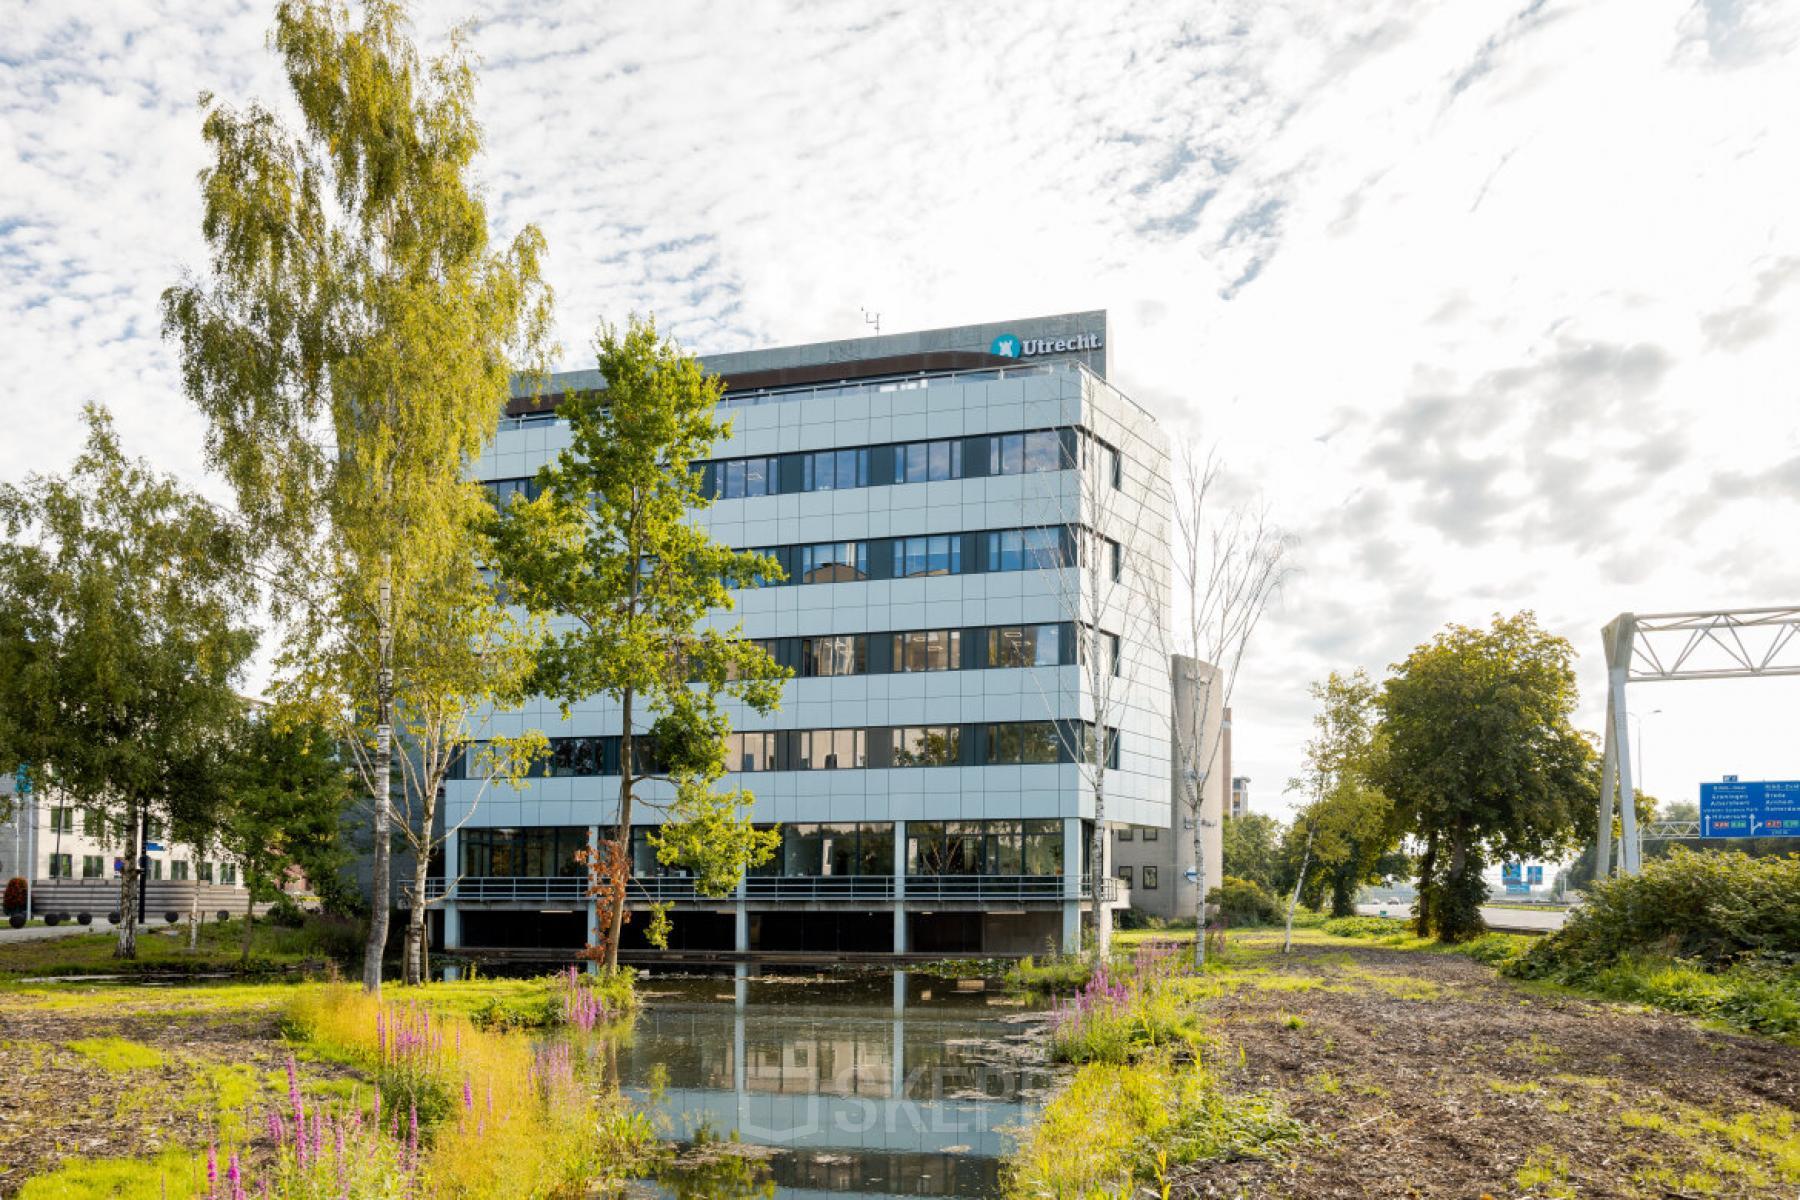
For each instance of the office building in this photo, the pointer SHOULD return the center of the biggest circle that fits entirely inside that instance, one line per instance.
(931, 496)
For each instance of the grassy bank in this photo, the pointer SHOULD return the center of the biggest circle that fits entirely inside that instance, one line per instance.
(313, 1089)
(163, 948)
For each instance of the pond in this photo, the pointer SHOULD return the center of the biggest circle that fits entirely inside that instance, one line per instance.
(865, 1084)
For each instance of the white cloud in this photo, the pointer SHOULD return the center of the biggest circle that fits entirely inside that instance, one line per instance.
(1494, 302)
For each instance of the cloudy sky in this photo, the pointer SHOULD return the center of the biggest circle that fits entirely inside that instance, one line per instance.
(1495, 304)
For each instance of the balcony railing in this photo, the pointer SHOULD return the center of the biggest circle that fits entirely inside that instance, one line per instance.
(572, 889)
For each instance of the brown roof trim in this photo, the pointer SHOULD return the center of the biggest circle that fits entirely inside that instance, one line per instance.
(862, 368)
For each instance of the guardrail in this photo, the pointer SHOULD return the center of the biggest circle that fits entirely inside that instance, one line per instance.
(563, 889)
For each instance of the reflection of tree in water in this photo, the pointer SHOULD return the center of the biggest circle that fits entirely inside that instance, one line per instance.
(713, 1170)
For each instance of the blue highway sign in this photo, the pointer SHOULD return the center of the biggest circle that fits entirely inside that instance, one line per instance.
(1750, 808)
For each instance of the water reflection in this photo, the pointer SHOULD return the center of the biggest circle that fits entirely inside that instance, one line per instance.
(874, 1086)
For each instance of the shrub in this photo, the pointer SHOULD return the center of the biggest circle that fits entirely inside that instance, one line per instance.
(14, 900)
(1058, 973)
(1244, 902)
(286, 913)
(1367, 927)
(1714, 907)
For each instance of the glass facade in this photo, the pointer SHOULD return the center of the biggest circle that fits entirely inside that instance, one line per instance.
(984, 847)
(538, 851)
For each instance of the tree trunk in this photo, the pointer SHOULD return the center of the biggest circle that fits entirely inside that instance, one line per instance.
(1343, 893)
(1287, 941)
(1422, 901)
(249, 910)
(128, 884)
(622, 837)
(1097, 869)
(1199, 807)
(194, 909)
(381, 887)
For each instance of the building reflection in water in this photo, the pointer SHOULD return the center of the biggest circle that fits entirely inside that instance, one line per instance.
(919, 1098)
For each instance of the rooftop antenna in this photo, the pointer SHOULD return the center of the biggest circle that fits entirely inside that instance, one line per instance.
(874, 319)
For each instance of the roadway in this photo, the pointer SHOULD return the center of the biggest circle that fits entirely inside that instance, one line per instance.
(1513, 920)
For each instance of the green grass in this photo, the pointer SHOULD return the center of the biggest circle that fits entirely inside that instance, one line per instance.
(162, 947)
(1056, 975)
(118, 1054)
(175, 1174)
(1746, 998)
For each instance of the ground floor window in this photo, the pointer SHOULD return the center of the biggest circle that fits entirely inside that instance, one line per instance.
(984, 847)
(1150, 874)
(62, 866)
(536, 852)
(1125, 876)
(93, 866)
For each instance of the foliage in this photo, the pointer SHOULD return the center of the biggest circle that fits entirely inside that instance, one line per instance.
(610, 547)
(502, 1115)
(1117, 1125)
(1127, 1007)
(284, 791)
(121, 638)
(1479, 758)
(175, 1174)
(1244, 902)
(14, 900)
(1716, 908)
(1056, 974)
(1348, 835)
(1493, 948)
(350, 350)
(1251, 844)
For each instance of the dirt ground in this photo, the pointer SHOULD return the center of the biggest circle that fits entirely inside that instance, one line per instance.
(57, 1103)
(1427, 1075)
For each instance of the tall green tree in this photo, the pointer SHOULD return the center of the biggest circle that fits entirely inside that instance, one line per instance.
(1348, 834)
(1481, 761)
(285, 789)
(611, 546)
(125, 633)
(351, 347)
(1252, 845)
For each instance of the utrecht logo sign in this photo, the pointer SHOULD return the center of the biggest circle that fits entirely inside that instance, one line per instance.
(1011, 345)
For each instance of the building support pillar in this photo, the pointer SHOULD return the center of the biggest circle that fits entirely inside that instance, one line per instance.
(587, 903)
(1073, 878)
(452, 908)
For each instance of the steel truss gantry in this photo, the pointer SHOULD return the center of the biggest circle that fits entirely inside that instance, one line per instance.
(1732, 643)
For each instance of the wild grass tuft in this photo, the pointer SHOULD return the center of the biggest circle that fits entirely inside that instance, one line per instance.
(118, 1054)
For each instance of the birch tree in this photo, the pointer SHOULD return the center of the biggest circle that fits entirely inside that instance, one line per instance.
(1101, 588)
(351, 347)
(126, 632)
(1229, 562)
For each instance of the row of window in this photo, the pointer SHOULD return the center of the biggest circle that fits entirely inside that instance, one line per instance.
(94, 866)
(1043, 548)
(1016, 743)
(980, 647)
(1150, 877)
(1023, 453)
(1124, 833)
(851, 848)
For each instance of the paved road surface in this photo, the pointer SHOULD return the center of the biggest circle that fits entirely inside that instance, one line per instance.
(39, 933)
(1528, 920)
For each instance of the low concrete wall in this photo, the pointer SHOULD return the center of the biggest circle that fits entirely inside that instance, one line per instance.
(101, 896)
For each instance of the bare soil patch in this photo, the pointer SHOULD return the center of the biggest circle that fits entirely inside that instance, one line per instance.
(1427, 1075)
(56, 1103)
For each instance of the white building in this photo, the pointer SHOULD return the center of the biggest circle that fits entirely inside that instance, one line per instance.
(71, 860)
(928, 494)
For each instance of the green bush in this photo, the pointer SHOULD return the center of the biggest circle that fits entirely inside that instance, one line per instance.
(1244, 902)
(1715, 907)
(1366, 927)
(1057, 974)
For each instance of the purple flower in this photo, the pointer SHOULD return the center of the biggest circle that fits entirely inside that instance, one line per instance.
(212, 1170)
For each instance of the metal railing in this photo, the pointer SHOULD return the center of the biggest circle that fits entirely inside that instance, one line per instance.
(565, 889)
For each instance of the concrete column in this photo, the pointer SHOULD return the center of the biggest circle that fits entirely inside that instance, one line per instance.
(901, 943)
(452, 868)
(1072, 880)
(741, 932)
(593, 918)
